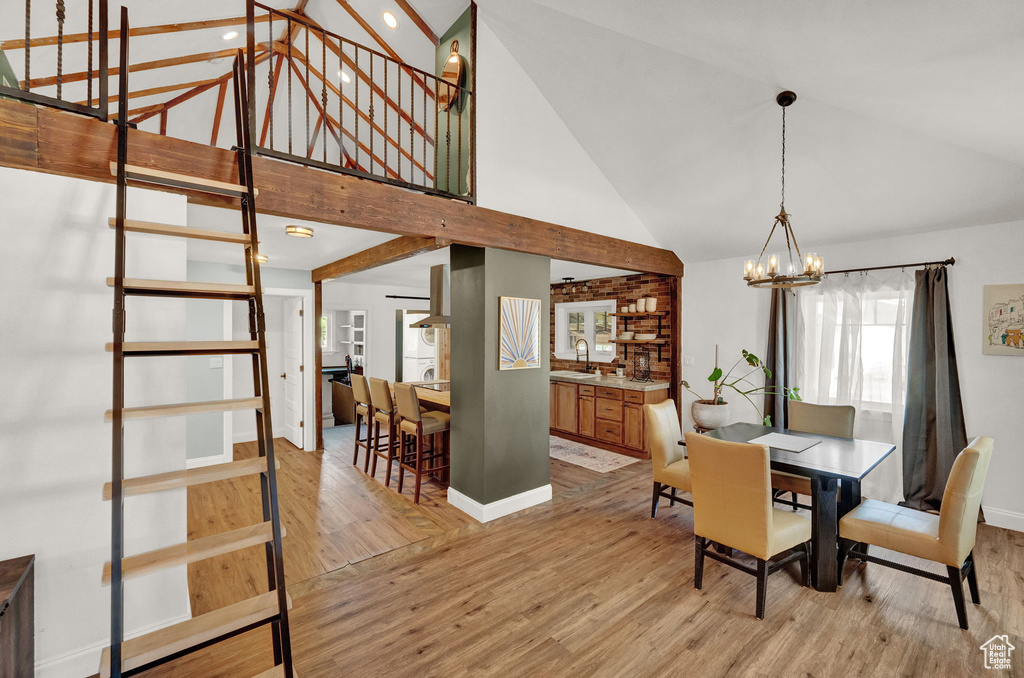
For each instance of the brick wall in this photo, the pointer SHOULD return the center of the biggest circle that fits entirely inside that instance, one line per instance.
(624, 290)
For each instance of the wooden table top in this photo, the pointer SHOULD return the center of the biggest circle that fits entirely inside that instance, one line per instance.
(842, 458)
(432, 397)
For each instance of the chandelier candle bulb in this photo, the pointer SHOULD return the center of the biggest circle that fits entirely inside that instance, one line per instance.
(748, 270)
(773, 265)
(819, 265)
(809, 263)
(759, 271)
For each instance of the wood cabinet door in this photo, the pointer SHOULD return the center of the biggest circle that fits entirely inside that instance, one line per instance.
(553, 407)
(565, 414)
(586, 420)
(633, 426)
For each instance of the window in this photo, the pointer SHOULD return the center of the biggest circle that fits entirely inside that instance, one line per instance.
(327, 332)
(589, 320)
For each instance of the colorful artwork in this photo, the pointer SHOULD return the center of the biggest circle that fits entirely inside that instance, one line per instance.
(519, 333)
(1004, 320)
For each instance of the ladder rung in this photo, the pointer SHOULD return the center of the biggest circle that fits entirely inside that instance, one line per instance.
(179, 409)
(154, 228)
(196, 631)
(176, 288)
(192, 551)
(161, 348)
(189, 477)
(174, 180)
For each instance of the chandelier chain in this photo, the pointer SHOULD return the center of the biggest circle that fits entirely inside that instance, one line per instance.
(783, 203)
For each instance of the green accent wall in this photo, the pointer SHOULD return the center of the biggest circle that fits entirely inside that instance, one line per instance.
(500, 440)
(454, 180)
(7, 76)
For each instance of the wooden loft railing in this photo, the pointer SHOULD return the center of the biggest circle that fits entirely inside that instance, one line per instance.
(45, 53)
(331, 103)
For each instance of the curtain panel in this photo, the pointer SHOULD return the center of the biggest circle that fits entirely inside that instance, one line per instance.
(934, 431)
(779, 356)
(852, 336)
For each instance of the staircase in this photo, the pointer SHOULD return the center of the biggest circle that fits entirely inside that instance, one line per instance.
(130, 657)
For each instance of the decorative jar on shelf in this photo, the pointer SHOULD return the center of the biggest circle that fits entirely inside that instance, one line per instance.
(641, 305)
(624, 309)
(652, 304)
(632, 308)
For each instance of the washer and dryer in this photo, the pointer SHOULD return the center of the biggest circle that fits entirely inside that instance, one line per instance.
(419, 360)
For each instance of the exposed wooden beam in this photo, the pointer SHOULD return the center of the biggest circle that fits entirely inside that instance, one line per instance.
(418, 20)
(114, 34)
(144, 66)
(153, 91)
(369, 29)
(299, 56)
(389, 252)
(163, 122)
(48, 140)
(318, 362)
(218, 112)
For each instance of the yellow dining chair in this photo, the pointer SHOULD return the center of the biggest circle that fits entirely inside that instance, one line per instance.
(668, 459)
(947, 538)
(421, 425)
(732, 506)
(364, 414)
(826, 420)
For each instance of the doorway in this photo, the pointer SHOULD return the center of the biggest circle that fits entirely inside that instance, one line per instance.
(289, 332)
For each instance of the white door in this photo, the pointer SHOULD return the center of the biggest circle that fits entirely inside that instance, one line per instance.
(291, 367)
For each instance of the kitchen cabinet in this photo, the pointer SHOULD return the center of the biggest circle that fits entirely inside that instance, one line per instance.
(603, 416)
(565, 407)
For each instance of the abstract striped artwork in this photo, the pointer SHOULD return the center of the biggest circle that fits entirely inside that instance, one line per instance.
(520, 333)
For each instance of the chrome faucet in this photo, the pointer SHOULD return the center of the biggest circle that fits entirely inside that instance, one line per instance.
(587, 347)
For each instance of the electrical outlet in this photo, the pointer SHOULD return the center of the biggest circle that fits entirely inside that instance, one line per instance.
(688, 361)
(216, 363)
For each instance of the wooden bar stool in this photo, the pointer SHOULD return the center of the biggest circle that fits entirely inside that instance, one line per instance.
(383, 414)
(420, 425)
(364, 412)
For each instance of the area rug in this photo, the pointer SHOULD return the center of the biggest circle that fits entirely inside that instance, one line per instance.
(588, 457)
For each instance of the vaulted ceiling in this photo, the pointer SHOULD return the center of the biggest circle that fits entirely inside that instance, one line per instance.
(908, 117)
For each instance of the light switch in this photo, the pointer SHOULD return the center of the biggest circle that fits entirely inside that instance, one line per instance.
(688, 361)
(216, 362)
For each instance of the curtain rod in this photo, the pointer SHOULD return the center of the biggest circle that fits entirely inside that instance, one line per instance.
(399, 296)
(947, 262)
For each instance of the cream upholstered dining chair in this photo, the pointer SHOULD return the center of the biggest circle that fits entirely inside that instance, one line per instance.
(364, 414)
(947, 538)
(661, 424)
(826, 420)
(421, 425)
(383, 414)
(732, 506)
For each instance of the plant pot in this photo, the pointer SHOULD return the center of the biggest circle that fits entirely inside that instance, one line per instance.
(708, 414)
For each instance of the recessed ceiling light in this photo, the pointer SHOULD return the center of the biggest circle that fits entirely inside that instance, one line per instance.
(230, 35)
(344, 77)
(299, 231)
(390, 20)
(261, 258)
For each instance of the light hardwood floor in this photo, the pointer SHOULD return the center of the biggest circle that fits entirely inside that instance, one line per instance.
(585, 585)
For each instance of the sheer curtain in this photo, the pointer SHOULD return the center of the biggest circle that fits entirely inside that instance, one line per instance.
(852, 338)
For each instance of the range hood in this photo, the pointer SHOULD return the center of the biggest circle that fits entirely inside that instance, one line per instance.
(440, 299)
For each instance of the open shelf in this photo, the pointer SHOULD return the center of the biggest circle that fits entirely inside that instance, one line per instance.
(639, 341)
(639, 315)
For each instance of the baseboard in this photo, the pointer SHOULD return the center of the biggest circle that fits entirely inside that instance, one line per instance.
(86, 661)
(204, 461)
(496, 509)
(1010, 520)
(244, 437)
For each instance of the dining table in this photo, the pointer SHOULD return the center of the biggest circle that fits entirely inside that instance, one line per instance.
(835, 467)
(434, 395)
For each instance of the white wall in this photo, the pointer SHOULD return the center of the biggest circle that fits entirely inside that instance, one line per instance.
(529, 163)
(55, 451)
(718, 307)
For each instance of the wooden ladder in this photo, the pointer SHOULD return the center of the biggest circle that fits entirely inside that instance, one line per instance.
(133, 656)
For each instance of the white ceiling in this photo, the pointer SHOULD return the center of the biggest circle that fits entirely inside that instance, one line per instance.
(908, 116)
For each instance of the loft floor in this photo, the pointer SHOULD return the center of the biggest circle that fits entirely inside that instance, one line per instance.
(587, 585)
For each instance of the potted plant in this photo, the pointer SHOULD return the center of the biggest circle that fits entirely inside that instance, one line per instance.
(714, 413)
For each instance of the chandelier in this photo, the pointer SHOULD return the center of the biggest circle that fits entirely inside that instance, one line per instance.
(791, 269)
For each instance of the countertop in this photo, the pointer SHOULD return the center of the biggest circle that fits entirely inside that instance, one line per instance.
(613, 382)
